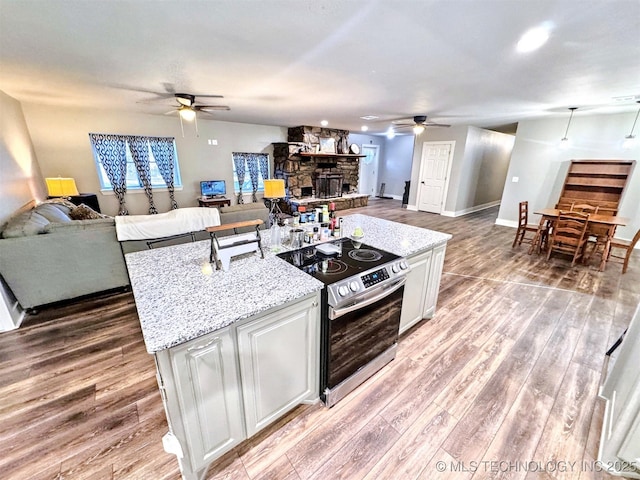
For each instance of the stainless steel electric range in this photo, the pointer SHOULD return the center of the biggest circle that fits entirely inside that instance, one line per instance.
(361, 305)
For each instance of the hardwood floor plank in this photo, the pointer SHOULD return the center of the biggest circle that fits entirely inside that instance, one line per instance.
(565, 435)
(465, 386)
(478, 426)
(341, 425)
(517, 438)
(360, 454)
(443, 466)
(408, 456)
(281, 469)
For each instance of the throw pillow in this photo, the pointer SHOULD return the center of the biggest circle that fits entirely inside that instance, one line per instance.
(83, 212)
(51, 213)
(61, 203)
(28, 223)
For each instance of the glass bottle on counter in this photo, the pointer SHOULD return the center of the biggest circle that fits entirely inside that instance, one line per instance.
(275, 237)
(296, 219)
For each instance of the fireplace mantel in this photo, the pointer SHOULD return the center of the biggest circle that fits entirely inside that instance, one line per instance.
(328, 155)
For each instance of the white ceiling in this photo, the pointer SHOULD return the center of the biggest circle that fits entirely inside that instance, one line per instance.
(296, 62)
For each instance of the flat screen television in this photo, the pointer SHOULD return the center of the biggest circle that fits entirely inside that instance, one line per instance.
(212, 188)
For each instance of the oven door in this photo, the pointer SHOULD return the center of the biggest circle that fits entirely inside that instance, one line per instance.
(362, 331)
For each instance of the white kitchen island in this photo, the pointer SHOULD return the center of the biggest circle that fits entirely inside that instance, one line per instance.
(236, 350)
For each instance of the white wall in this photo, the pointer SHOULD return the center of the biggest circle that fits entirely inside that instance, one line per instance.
(395, 168)
(541, 166)
(20, 182)
(61, 141)
(395, 160)
(479, 167)
(481, 176)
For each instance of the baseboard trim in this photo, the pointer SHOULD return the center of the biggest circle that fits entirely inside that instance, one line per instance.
(507, 223)
(466, 211)
(413, 208)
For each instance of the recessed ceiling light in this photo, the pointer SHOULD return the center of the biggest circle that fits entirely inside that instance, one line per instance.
(324, 123)
(364, 128)
(533, 39)
(370, 117)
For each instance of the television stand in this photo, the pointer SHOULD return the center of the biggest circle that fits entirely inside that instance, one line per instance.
(213, 202)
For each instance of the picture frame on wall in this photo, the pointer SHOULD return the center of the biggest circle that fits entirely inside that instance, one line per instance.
(327, 145)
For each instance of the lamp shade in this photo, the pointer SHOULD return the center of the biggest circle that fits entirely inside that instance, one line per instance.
(61, 187)
(274, 188)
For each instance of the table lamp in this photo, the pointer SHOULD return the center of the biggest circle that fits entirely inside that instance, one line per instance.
(274, 192)
(61, 187)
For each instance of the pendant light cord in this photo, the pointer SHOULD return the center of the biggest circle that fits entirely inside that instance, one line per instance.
(633, 127)
(573, 109)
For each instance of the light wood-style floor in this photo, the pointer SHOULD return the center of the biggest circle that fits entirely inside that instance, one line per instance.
(501, 383)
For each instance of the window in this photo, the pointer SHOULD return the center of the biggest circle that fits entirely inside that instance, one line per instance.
(133, 180)
(260, 161)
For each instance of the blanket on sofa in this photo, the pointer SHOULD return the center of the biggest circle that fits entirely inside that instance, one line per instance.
(175, 222)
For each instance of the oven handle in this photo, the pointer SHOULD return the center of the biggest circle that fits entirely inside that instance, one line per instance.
(338, 312)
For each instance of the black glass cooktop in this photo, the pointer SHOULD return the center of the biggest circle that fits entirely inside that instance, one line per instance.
(353, 259)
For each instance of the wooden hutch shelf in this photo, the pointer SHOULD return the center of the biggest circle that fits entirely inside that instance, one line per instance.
(596, 182)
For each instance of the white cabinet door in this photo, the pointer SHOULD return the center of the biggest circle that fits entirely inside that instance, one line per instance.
(415, 290)
(279, 361)
(433, 283)
(203, 400)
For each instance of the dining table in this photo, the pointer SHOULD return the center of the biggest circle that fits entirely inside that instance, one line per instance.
(548, 216)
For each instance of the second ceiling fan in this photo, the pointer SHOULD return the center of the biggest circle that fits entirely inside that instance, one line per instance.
(419, 124)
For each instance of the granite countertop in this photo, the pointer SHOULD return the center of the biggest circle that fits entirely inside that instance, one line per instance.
(179, 296)
(399, 238)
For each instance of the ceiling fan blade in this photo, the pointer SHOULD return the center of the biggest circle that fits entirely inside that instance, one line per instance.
(210, 96)
(433, 124)
(212, 107)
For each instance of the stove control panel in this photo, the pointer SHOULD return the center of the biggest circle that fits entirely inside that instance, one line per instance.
(345, 291)
(378, 276)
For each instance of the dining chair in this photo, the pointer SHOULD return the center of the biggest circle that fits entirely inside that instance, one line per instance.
(569, 234)
(524, 226)
(625, 245)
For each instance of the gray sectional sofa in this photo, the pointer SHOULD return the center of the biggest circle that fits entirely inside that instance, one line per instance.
(46, 256)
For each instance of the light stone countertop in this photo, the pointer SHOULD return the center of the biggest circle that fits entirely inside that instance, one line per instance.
(399, 238)
(179, 296)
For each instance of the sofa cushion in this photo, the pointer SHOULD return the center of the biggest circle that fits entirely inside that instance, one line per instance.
(52, 213)
(78, 225)
(27, 223)
(84, 212)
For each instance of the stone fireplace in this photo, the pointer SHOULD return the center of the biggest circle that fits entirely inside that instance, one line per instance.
(313, 174)
(299, 162)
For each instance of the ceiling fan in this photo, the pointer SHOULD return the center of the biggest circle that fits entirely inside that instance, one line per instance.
(419, 124)
(187, 107)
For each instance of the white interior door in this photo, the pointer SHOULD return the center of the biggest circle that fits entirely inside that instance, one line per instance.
(436, 158)
(368, 175)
